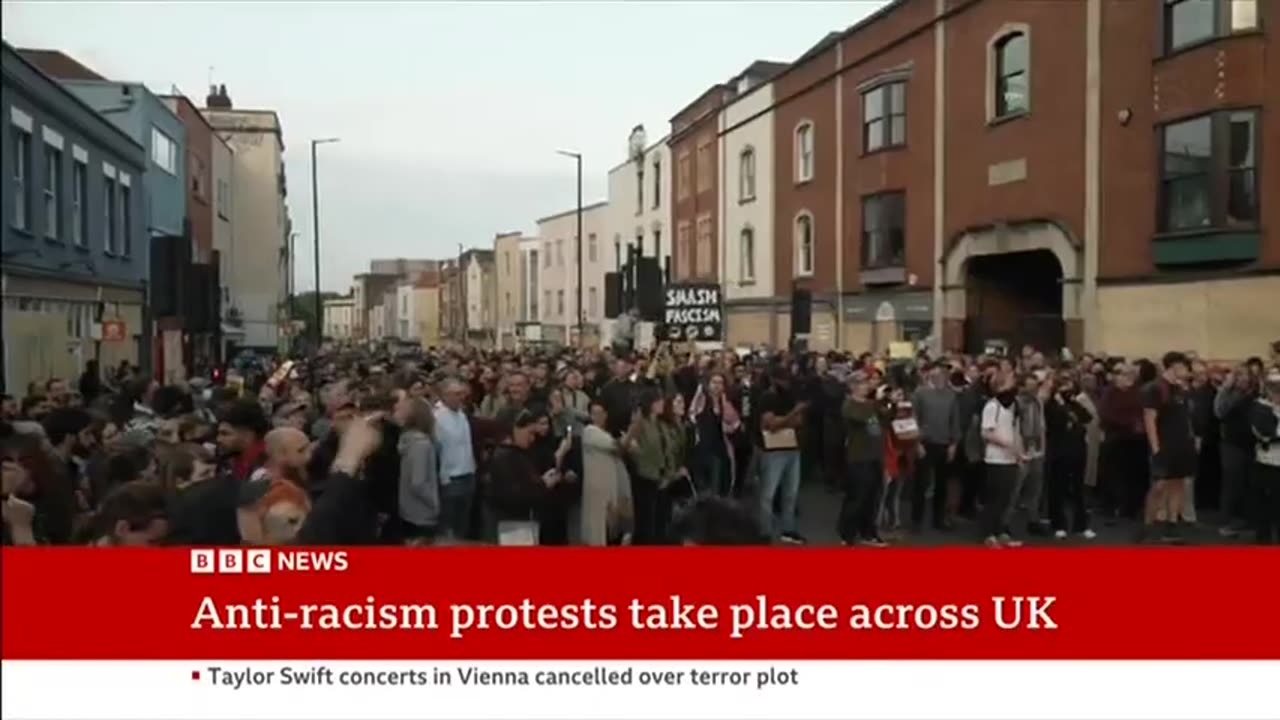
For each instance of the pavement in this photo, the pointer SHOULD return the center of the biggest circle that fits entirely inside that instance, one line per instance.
(819, 508)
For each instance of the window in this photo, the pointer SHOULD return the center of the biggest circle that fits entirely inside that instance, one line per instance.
(640, 190)
(1209, 174)
(560, 253)
(164, 152)
(560, 303)
(683, 248)
(883, 239)
(592, 300)
(657, 183)
(704, 248)
(546, 253)
(546, 300)
(593, 252)
(747, 175)
(511, 308)
(126, 219)
(21, 178)
(1189, 22)
(640, 242)
(804, 152)
(884, 117)
(703, 167)
(79, 194)
(804, 244)
(224, 199)
(657, 243)
(1012, 75)
(52, 191)
(747, 256)
(506, 263)
(109, 215)
(682, 177)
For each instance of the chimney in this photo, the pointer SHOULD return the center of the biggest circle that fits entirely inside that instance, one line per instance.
(218, 98)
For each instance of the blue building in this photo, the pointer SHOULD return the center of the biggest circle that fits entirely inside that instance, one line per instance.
(149, 121)
(75, 231)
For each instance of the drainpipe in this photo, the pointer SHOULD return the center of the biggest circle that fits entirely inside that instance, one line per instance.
(839, 244)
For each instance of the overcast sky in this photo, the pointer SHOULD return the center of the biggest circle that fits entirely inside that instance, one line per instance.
(449, 113)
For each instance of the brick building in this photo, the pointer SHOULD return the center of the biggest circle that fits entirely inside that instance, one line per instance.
(1080, 173)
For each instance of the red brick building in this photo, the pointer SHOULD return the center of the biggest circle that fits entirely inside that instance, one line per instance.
(199, 180)
(1083, 173)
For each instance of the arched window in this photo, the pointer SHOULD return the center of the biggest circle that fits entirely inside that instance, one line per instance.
(804, 151)
(804, 243)
(747, 174)
(747, 256)
(1012, 81)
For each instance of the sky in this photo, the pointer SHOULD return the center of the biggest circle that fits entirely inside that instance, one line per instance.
(449, 114)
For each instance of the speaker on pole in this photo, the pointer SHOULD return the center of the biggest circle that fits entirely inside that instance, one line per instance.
(649, 289)
(801, 311)
(612, 295)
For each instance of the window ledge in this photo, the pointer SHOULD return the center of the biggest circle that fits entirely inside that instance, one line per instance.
(54, 240)
(24, 232)
(1210, 245)
(746, 283)
(803, 181)
(884, 149)
(1189, 47)
(1002, 119)
(81, 248)
(746, 200)
(884, 275)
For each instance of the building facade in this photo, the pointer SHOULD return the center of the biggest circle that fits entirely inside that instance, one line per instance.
(509, 286)
(640, 203)
(746, 206)
(260, 215)
(224, 244)
(480, 293)
(74, 270)
(558, 271)
(1125, 213)
(338, 318)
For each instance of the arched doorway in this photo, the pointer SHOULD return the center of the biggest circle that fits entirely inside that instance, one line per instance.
(1019, 284)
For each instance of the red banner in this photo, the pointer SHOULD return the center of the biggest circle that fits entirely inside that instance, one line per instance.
(633, 604)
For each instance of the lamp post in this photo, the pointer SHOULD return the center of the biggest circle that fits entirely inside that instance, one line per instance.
(577, 157)
(315, 236)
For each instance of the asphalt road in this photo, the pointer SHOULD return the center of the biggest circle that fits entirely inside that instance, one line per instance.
(819, 508)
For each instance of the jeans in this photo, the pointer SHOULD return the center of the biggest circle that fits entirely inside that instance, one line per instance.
(779, 472)
(714, 473)
(1266, 483)
(651, 512)
(1066, 494)
(1236, 462)
(1001, 482)
(934, 469)
(861, 501)
(1028, 492)
(456, 498)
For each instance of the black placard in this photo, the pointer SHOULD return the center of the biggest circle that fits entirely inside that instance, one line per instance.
(693, 311)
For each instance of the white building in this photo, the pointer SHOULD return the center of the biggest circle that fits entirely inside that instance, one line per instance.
(640, 201)
(558, 270)
(375, 322)
(259, 215)
(481, 296)
(746, 210)
(406, 312)
(339, 318)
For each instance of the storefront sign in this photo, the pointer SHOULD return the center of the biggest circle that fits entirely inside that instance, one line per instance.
(693, 311)
(113, 331)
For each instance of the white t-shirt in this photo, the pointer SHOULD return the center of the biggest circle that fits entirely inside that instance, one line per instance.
(1004, 423)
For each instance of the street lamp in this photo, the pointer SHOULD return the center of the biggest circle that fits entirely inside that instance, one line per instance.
(577, 157)
(315, 236)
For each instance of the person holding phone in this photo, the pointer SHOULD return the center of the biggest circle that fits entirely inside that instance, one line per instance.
(781, 416)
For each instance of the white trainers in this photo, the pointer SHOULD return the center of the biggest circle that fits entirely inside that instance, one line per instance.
(1060, 534)
(1088, 534)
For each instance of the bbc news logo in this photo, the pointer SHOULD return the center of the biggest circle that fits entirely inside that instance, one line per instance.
(230, 562)
(261, 561)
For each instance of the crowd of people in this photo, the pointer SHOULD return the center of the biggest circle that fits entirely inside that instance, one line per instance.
(670, 446)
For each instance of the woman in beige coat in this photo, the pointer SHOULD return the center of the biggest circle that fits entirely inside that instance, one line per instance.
(606, 487)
